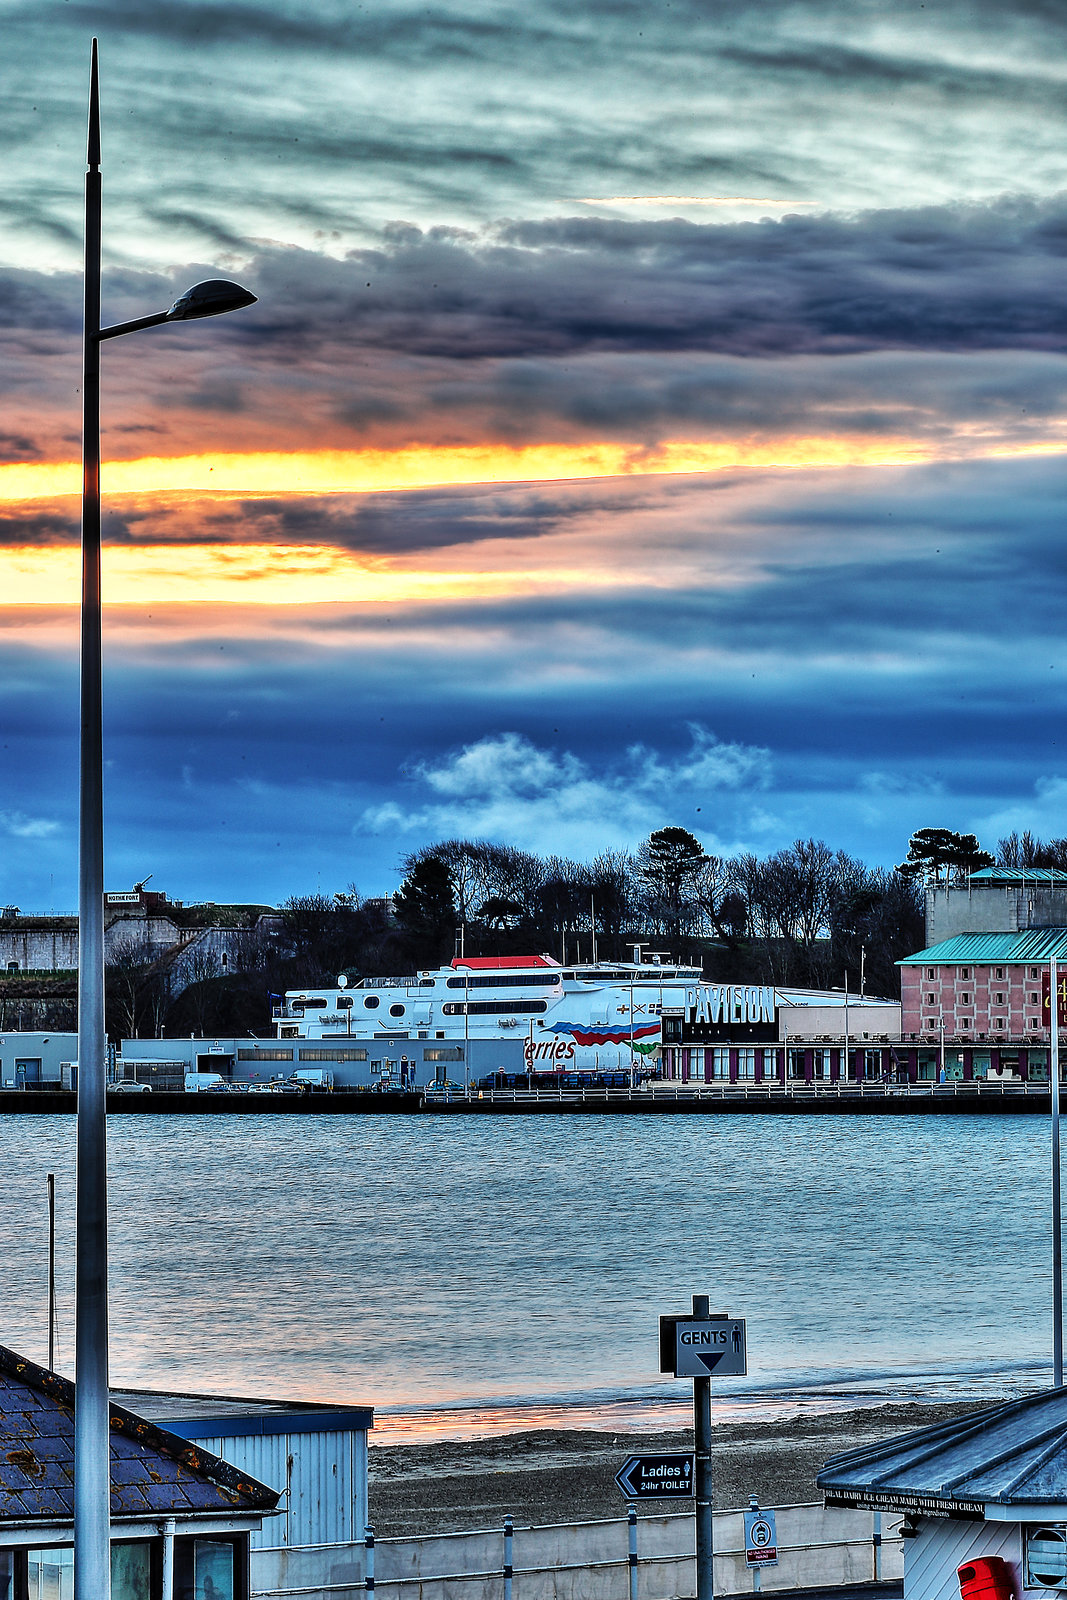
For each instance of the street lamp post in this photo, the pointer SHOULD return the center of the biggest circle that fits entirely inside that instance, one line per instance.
(92, 1510)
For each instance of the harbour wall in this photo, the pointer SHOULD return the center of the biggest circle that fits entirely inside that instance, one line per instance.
(959, 1100)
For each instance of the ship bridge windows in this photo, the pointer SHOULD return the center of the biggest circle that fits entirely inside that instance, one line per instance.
(310, 1003)
(504, 980)
(371, 1002)
(344, 1002)
(396, 1011)
(494, 1008)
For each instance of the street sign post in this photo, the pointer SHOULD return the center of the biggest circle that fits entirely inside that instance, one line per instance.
(667, 1476)
(694, 1347)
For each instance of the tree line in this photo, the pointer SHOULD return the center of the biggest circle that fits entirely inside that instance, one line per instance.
(806, 915)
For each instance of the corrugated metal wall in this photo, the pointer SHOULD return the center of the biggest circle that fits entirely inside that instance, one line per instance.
(322, 1478)
(931, 1559)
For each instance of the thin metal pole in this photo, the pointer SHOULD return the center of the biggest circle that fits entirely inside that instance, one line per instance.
(1057, 1249)
(92, 1510)
(51, 1272)
(509, 1532)
(631, 1520)
(368, 1541)
(167, 1588)
(702, 1439)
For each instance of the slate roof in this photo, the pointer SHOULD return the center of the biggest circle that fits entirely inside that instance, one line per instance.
(978, 949)
(153, 1472)
(1012, 1454)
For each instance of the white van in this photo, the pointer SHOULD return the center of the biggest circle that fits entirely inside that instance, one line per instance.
(313, 1077)
(195, 1081)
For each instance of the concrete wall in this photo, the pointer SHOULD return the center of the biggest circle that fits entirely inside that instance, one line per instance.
(1004, 909)
(586, 1560)
(819, 1022)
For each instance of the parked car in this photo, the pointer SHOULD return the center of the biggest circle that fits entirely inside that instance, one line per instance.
(131, 1086)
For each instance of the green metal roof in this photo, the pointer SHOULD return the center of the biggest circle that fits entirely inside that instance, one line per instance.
(978, 949)
(1008, 875)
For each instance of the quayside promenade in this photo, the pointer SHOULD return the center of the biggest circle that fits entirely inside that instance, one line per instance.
(647, 1099)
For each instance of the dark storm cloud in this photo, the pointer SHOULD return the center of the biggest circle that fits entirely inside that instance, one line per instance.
(892, 641)
(946, 278)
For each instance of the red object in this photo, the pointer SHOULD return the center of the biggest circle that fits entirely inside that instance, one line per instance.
(987, 1578)
(501, 963)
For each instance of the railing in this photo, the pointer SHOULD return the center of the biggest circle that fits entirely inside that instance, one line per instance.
(742, 1090)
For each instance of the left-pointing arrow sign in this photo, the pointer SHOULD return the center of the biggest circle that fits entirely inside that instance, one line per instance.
(659, 1477)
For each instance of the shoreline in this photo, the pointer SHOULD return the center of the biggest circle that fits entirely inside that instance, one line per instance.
(549, 1475)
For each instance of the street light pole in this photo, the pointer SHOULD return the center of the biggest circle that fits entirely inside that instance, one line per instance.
(92, 1479)
(92, 1486)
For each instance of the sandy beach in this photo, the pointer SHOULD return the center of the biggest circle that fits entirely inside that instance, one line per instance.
(558, 1475)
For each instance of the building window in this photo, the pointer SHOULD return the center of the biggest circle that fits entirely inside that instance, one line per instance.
(931, 999)
(746, 1063)
(964, 972)
(965, 999)
(450, 1053)
(770, 1064)
(12, 966)
(50, 1573)
(795, 1063)
(1033, 972)
(931, 972)
(264, 1053)
(335, 1052)
(1033, 1024)
(720, 1063)
(203, 1568)
(998, 999)
(821, 1063)
(998, 972)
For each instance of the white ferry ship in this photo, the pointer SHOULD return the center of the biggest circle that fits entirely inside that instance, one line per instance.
(488, 1014)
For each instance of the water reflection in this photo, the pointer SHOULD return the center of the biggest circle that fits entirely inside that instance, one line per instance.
(420, 1264)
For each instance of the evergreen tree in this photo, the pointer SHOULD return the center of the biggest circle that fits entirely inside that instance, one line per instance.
(425, 908)
(931, 849)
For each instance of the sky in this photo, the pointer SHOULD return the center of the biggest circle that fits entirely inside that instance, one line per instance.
(650, 415)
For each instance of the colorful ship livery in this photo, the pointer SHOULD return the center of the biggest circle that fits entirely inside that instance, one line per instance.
(643, 1037)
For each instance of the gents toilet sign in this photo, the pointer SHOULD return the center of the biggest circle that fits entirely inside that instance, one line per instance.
(704, 1348)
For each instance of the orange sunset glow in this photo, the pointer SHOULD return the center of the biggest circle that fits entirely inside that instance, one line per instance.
(390, 471)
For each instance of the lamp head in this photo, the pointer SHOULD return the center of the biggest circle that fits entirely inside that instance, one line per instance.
(209, 299)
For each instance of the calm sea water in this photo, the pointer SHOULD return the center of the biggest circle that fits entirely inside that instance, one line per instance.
(513, 1266)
